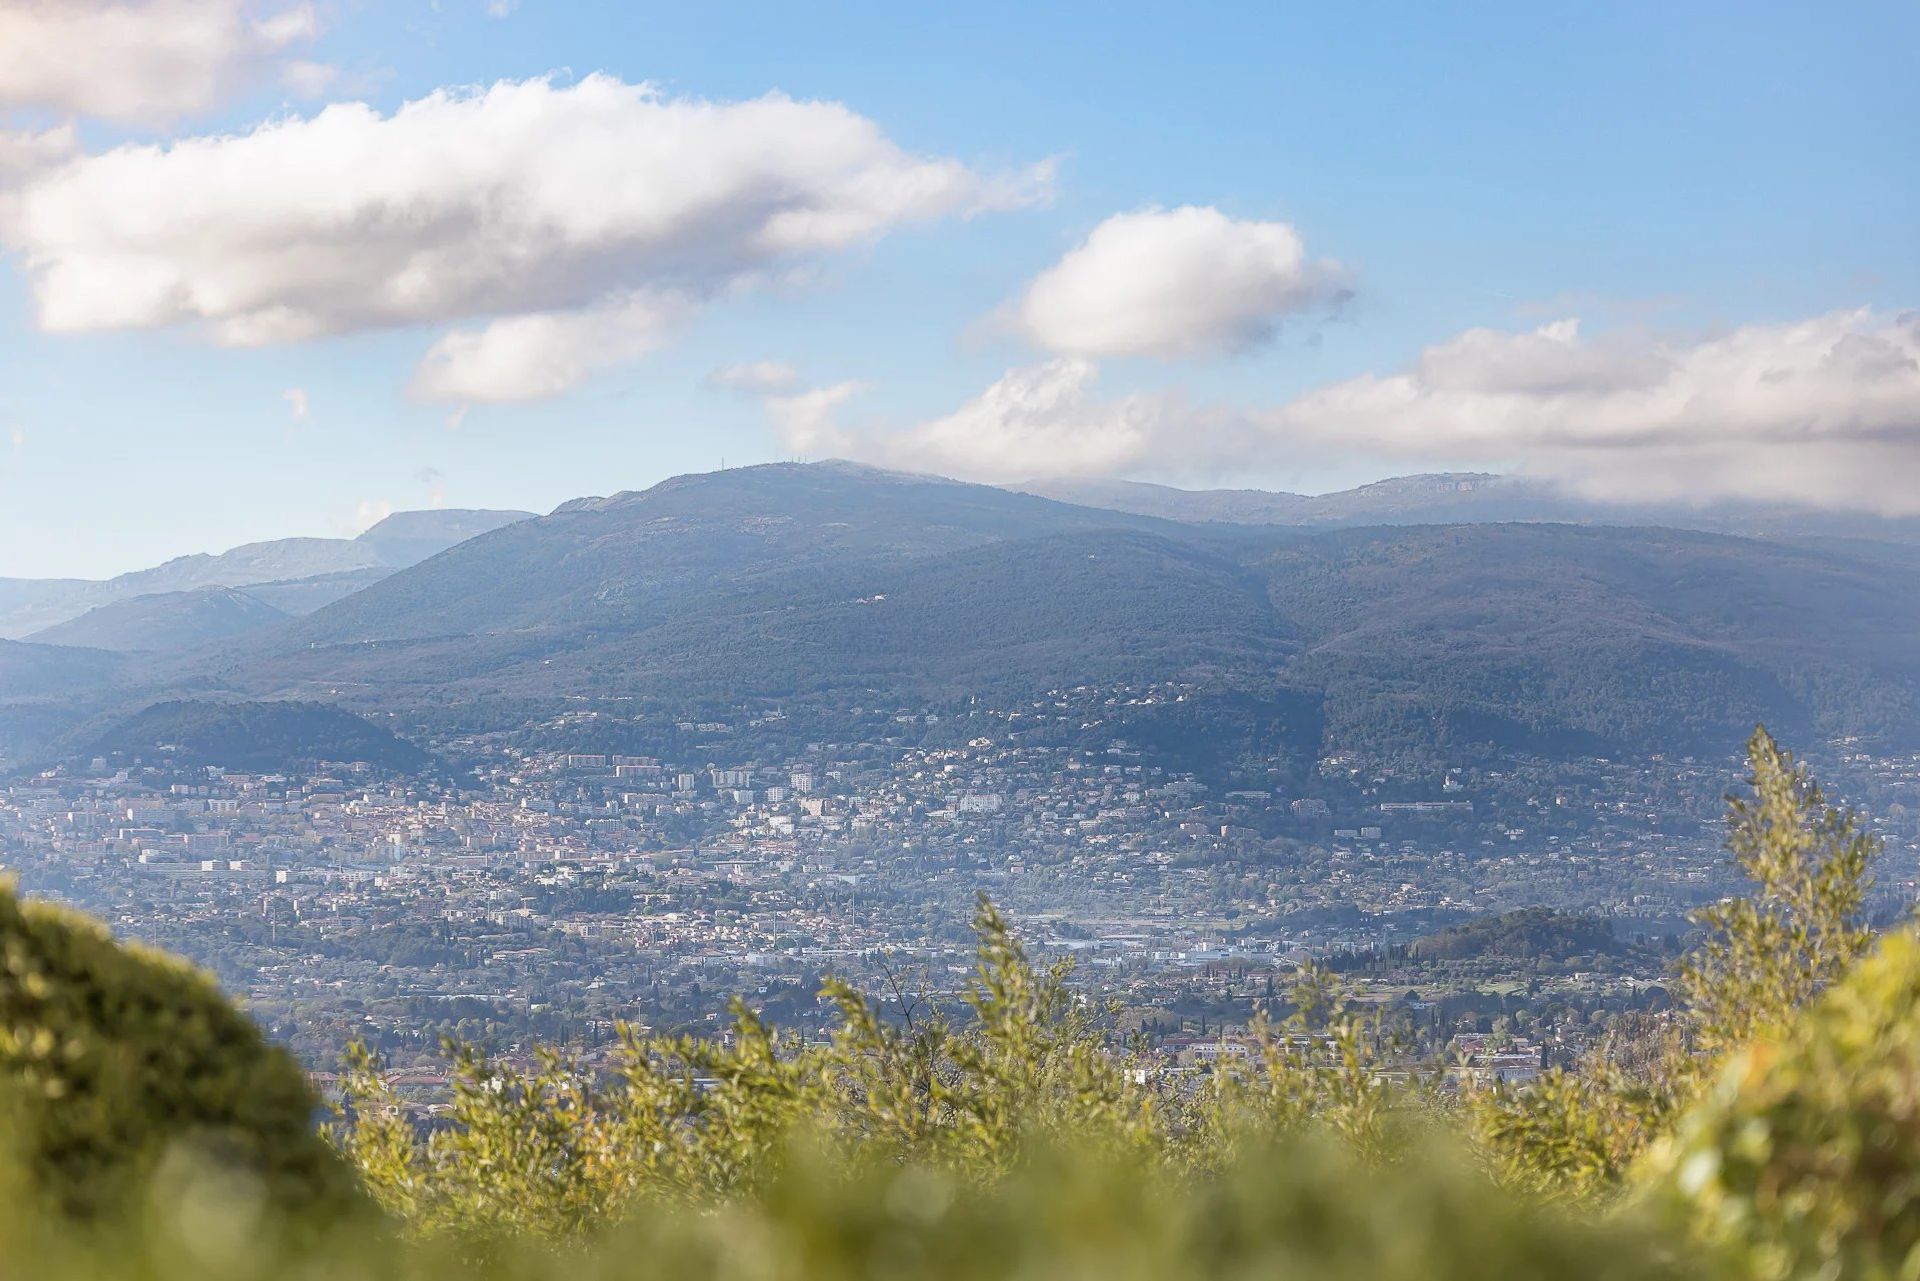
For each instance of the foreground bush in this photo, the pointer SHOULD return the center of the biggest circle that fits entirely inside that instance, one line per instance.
(1804, 1158)
(1763, 956)
(114, 1058)
(1310, 1212)
(551, 1150)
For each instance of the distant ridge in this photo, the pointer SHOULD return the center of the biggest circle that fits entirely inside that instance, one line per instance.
(1451, 498)
(29, 606)
(407, 538)
(756, 476)
(164, 621)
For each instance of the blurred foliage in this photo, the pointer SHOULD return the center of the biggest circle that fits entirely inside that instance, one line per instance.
(112, 1056)
(1307, 1211)
(1803, 1159)
(551, 1149)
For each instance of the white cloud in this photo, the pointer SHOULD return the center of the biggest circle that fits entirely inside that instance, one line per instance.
(140, 64)
(23, 154)
(527, 202)
(805, 418)
(1823, 411)
(304, 78)
(759, 377)
(1551, 360)
(1171, 283)
(535, 356)
(296, 399)
(808, 420)
(1039, 420)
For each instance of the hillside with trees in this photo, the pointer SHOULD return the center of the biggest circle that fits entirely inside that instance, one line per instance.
(816, 586)
(1531, 934)
(258, 736)
(164, 621)
(811, 590)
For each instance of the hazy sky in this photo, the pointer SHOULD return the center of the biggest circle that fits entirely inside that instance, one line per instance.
(278, 268)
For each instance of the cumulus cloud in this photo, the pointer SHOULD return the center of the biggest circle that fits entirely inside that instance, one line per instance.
(304, 78)
(1823, 411)
(1040, 420)
(24, 153)
(535, 356)
(545, 208)
(1171, 283)
(141, 64)
(1552, 360)
(805, 418)
(1043, 419)
(808, 420)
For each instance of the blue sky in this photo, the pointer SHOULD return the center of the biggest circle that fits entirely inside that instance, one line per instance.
(1668, 174)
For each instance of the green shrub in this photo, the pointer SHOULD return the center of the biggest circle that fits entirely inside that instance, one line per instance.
(1763, 956)
(550, 1150)
(1305, 1212)
(113, 1057)
(1803, 1160)
(1309, 1210)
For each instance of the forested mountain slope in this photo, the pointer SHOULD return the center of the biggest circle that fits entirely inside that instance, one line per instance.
(164, 621)
(826, 583)
(1627, 637)
(252, 735)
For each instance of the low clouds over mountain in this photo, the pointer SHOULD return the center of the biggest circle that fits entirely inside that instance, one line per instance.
(1823, 411)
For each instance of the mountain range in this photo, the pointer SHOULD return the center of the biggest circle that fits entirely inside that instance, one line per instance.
(816, 589)
(149, 608)
(1448, 498)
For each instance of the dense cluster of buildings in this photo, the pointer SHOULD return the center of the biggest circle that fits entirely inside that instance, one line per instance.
(547, 893)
